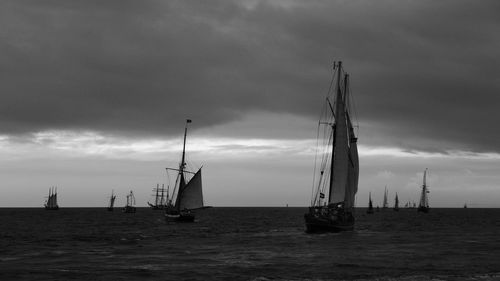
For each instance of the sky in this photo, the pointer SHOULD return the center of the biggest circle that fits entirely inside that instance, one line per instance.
(94, 96)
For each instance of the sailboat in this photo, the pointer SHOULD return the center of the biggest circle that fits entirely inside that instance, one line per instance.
(423, 205)
(129, 207)
(385, 204)
(396, 203)
(160, 200)
(112, 199)
(189, 192)
(339, 169)
(51, 203)
(370, 205)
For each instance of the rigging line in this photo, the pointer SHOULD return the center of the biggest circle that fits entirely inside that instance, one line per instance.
(352, 101)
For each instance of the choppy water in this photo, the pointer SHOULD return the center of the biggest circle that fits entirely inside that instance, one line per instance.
(247, 244)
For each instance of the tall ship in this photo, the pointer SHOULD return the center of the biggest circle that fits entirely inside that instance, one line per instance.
(336, 177)
(385, 204)
(161, 198)
(370, 204)
(423, 205)
(112, 199)
(396, 203)
(187, 191)
(51, 203)
(130, 206)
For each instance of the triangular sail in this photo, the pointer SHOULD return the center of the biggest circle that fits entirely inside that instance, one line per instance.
(385, 203)
(340, 163)
(424, 201)
(191, 196)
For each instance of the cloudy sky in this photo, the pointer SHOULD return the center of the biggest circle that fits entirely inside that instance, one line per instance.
(94, 96)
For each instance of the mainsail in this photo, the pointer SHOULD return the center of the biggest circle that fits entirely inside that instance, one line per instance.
(191, 195)
(424, 200)
(385, 203)
(340, 159)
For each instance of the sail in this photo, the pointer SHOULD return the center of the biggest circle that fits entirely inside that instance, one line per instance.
(396, 201)
(424, 202)
(191, 196)
(340, 163)
(385, 203)
(353, 168)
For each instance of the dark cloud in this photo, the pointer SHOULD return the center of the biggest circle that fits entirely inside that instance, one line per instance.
(424, 74)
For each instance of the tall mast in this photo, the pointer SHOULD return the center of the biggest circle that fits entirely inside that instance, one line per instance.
(339, 98)
(156, 198)
(181, 167)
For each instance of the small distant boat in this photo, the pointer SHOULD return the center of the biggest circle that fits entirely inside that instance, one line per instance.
(465, 206)
(130, 208)
(396, 203)
(423, 205)
(385, 204)
(339, 170)
(112, 199)
(51, 203)
(160, 199)
(370, 204)
(189, 195)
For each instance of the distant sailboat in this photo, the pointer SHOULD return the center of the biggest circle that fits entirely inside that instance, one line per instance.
(465, 206)
(160, 199)
(385, 204)
(112, 199)
(370, 204)
(396, 203)
(130, 207)
(189, 194)
(423, 205)
(339, 169)
(51, 203)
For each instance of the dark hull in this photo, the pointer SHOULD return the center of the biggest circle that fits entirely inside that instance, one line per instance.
(369, 211)
(423, 209)
(51, 208)
(175, 216)
(396, 209)
(128, 209)
(320, 220)
(110, 209)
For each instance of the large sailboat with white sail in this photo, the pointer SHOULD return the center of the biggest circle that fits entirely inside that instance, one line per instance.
(187, 191)
(51, 203)
(336, 177)
(423, 205)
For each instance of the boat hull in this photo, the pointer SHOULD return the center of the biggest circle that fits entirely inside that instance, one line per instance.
(129, 209)
(51, 208)
(369, 211)
(176, 216)
(423, 209)
(328, 220)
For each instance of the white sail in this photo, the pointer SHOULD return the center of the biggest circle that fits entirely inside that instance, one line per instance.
(385, 203)
(424, 201)
(353, 168)
(340, 170)
(191, 196)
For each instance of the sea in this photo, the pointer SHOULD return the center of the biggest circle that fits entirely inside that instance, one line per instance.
(247, 244)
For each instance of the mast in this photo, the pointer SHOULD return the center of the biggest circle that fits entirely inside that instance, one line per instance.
(182, 181)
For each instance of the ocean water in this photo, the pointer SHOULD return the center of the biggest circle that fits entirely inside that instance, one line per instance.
(247, 244)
